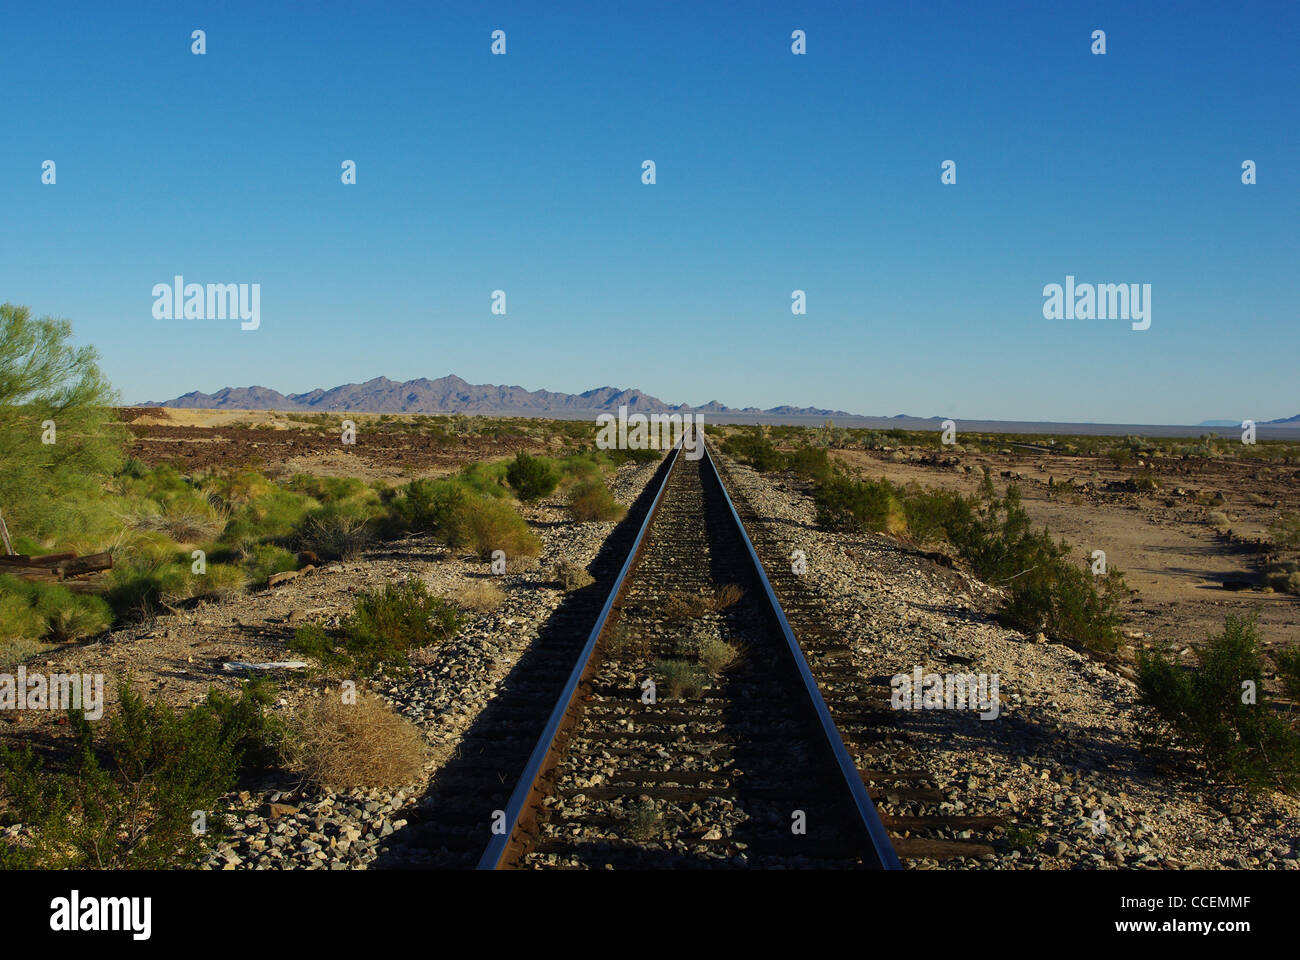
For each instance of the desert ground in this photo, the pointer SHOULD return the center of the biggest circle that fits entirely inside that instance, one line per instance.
(1185, 573)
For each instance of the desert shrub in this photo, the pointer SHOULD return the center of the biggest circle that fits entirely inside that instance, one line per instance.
(1288, 670)
(644, 820)
(487, 478)
(1218, 520)
(1283, 576)
(1202, 707)
(49, 611)
(1067, 602)
(591, 500)
(618, 457)
(313, 641)
(428, 505)
(622, 641)
(127, 801)
(571, 576)
(929, 513)
(857, 504)
(18, 618)
(336, 532)
(220, 581)
(811, 463)
(266, 559)
(531, 477)
(681, 604)
(340, 745)
(1285, 531)
(14, 652)
(383, 627)
(482, 525)
(71, 616)
(329, 489)
(479, 597)
(277, 515)
(716, 655)
(188, 520)
(753, 447)
(681, 678)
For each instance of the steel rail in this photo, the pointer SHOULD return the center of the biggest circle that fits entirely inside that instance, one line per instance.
(870, 819)
(495, 855)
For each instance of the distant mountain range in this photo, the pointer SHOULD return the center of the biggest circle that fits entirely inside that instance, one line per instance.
(1283, 422)
(451, 394)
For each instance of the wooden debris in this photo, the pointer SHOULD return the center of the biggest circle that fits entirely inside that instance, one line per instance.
(66, 568)
(238, 666)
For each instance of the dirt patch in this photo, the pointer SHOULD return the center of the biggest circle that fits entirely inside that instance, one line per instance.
(1178, 564)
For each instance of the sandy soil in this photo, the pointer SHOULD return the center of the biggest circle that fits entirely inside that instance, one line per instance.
(1172, 556)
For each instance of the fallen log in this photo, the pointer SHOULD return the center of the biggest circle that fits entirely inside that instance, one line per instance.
(92, 563)
(45, 560)
(65, 568)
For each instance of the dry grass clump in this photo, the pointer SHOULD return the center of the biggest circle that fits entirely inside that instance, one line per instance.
(571, 576)
(341, 745)
(623, 642)
(591, 500)
(716, 655)
(683, 605)
(681, 678)
(479, 597)
(645, 821)
(337, 536)
(483, 525)
(187, 522)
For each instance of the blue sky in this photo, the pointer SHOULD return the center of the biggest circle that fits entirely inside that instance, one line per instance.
(775, 172)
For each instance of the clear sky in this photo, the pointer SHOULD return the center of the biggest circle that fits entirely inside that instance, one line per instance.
(775, 172)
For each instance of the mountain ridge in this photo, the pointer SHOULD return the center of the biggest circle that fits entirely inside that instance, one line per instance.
(452, 394)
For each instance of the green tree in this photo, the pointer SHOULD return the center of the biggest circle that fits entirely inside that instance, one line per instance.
(44, 378)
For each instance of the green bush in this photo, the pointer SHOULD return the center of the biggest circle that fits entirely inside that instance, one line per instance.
(337, 531)
(754, 448)
(856, 504)
(49, 611)
(813, 463)
(18, 618)
(382, 628)
(128, 801)
(484, 525)
(71, 616)
(277, 515)
(264, 560)
(531, 477)
(1067, 602)
(1288, 670)
(1242, 742)
(46, 487)
(427, 506)
(681, 678)
(591, 500)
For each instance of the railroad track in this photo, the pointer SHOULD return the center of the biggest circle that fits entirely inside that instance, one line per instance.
(786, 757)
(660, 753)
